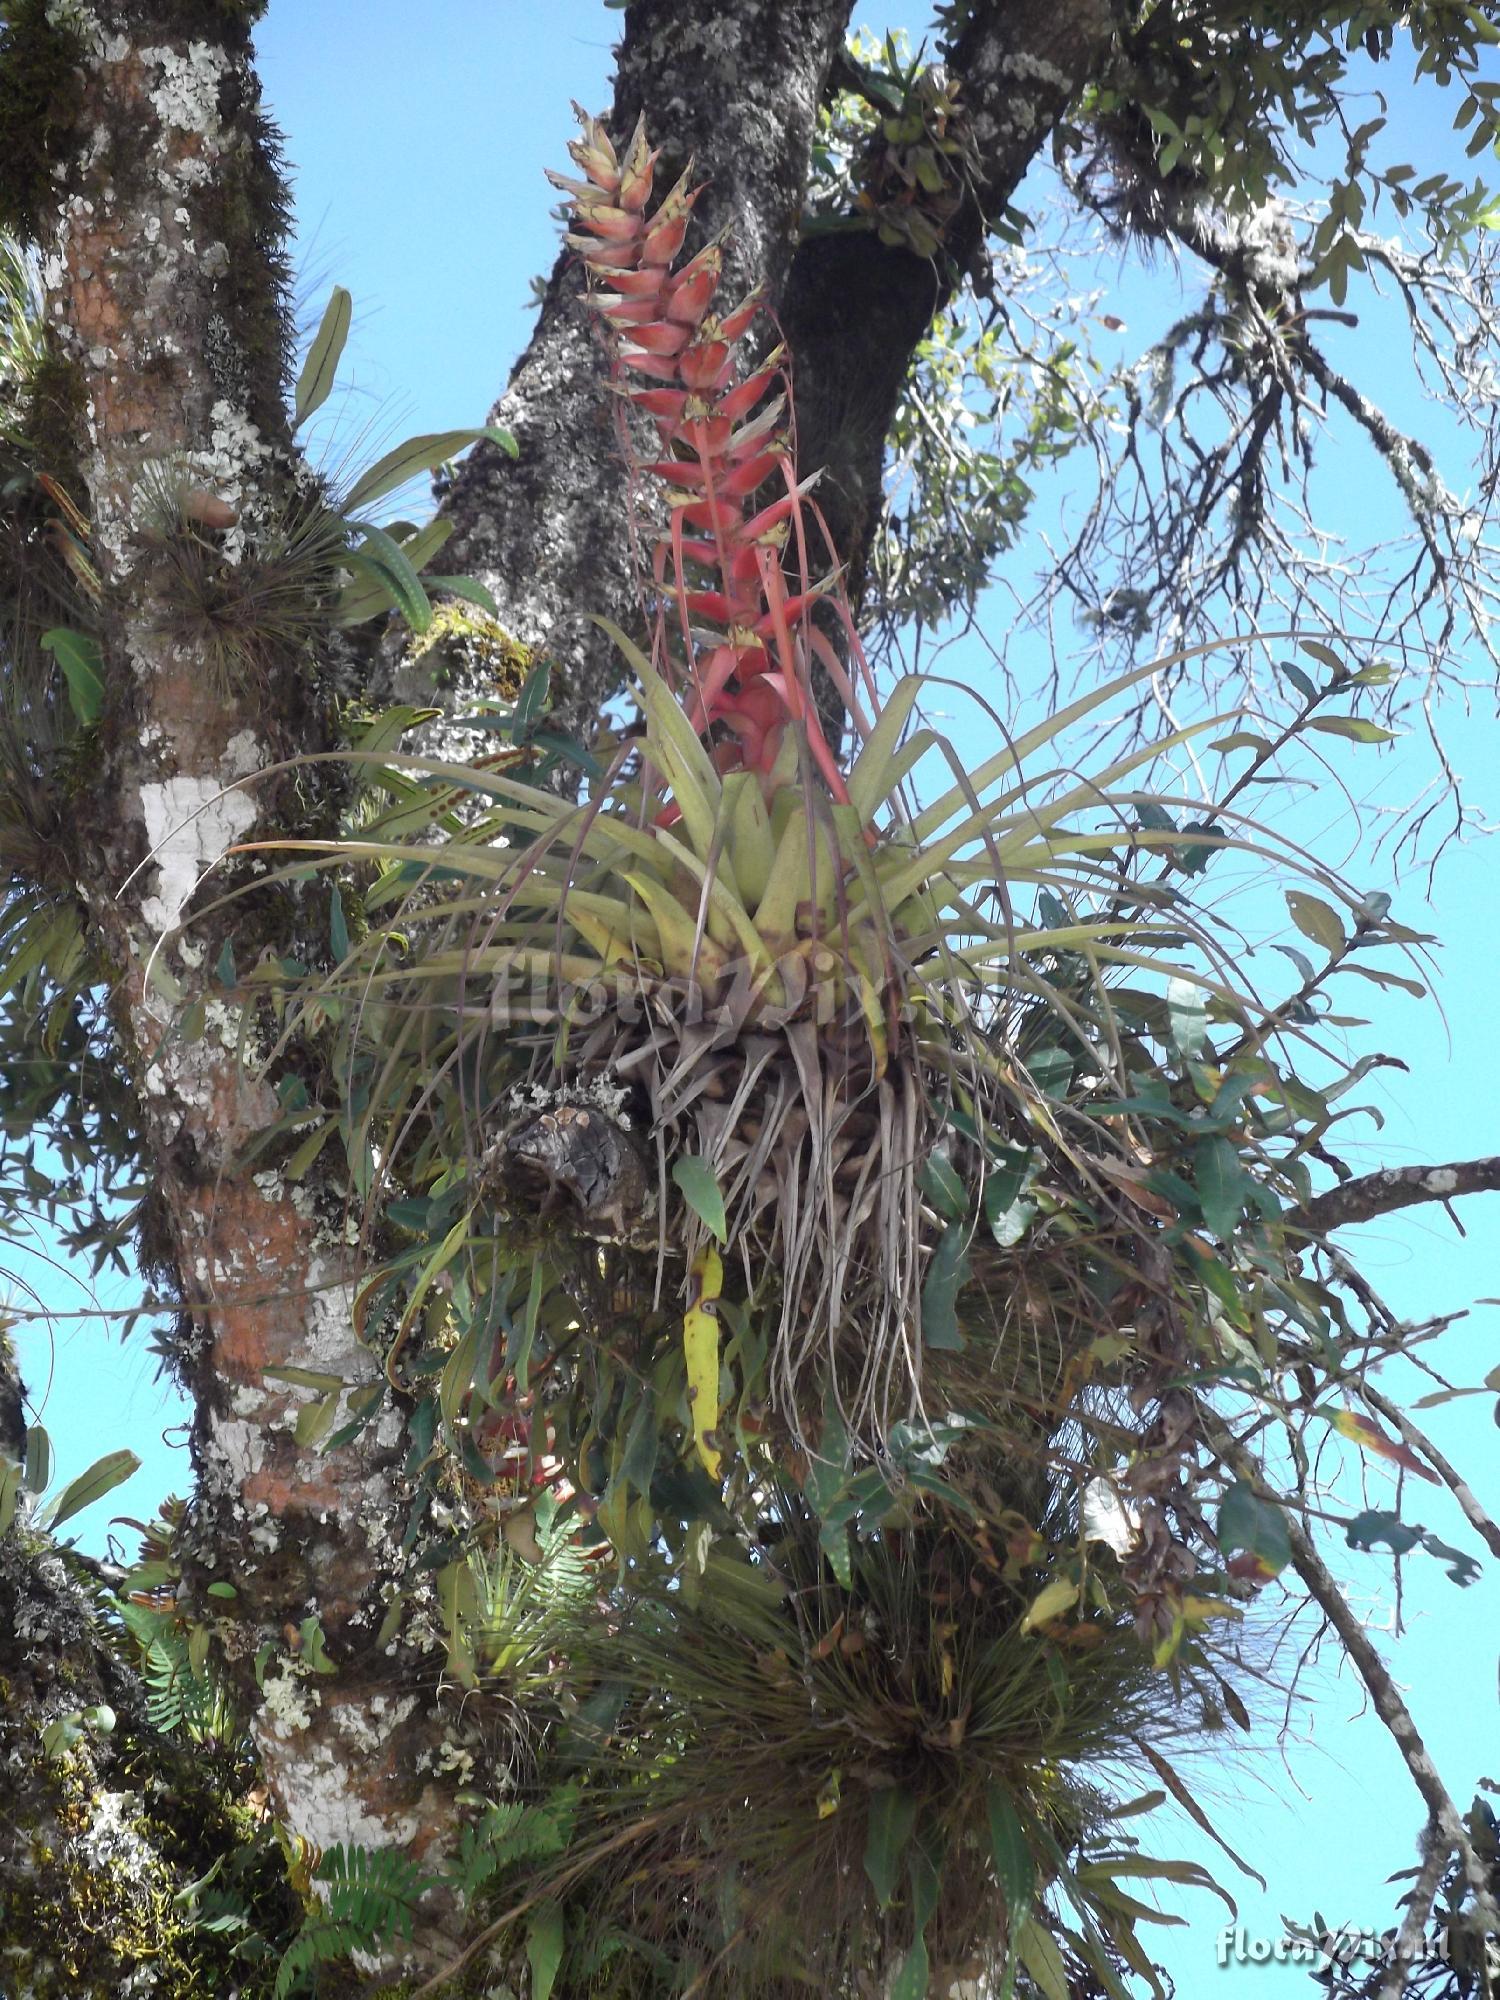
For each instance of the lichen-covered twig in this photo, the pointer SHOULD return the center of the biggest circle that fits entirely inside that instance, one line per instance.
(1392, 1188)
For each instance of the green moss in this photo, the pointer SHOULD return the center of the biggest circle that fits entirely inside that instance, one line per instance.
(251, 211)
(53, 421)
(82, 1919)
(472, 646)
(40, 101)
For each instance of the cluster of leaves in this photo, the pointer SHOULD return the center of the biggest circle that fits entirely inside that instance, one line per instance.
(1000, 390)
(1229, 102)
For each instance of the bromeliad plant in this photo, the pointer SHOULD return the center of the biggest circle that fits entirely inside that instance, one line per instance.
(885, 1154)
(805, 1000)
(805, 1013)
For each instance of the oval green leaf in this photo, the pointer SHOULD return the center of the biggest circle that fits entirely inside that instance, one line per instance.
(102, 1477)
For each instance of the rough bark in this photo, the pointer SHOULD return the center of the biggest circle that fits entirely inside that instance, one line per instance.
(164, 295)
(1382, 1193)
(855, 308)
(735, 87)
(738, 88)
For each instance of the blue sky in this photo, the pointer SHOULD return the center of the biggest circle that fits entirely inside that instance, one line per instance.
(417, 155)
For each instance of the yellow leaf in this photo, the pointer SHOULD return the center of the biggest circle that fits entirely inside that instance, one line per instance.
(1058, 1597)
(700, 1347)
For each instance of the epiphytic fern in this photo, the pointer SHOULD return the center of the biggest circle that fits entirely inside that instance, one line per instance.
(370, 1898)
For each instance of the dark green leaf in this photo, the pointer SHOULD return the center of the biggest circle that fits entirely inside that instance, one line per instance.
(1462, 1568)
(544, 1948)
(1051, 1070)
(531, 702)
(102, 1477)
(1222, 1183)
(943, 1188)
(1257, 1526)
(946, 1274)
(38, 1459)
(383, 562)
(1015, 1869)
(893, 1813)
(468, 588)
(338, 929)
(418, 454)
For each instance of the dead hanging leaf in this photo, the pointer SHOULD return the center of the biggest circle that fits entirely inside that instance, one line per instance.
(1134, 1189)
(207, 510)
(1368, 1435)
(829, 1639)
(1059, 1596)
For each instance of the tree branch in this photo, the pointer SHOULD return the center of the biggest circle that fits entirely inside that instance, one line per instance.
(855, 308)
(165, 298)
(1419, 1442)
(1378, 1194)
(1447, 1822)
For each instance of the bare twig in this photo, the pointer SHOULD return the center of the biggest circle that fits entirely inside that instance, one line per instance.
(1384, 1695)
(1452, 1478)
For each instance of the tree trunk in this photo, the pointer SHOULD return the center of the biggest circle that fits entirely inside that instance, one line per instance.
(160, 232)
(164, 289)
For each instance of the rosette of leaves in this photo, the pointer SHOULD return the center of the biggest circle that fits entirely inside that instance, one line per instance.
(780, 1777)
(831, 1011)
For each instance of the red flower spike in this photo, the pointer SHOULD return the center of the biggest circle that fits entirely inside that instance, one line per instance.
(638, 284)
(660, 337)
(746, 641)
(621, 311)
(666, 405)
(738, 323)
(604, 257)
(616, 225)
(739, 401)
(689, 294)
(663, 241)
(742, 480)
(676, 471)
(661, 367)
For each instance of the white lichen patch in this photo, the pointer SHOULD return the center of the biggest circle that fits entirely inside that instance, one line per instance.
(238, 1447)
(366, 1725)
(598, 1093)
(287, 1699)
(185, 93)
(1440, 1180)
(453, 1758)
(110, 1840)
(191, 822)
(330, 1811)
